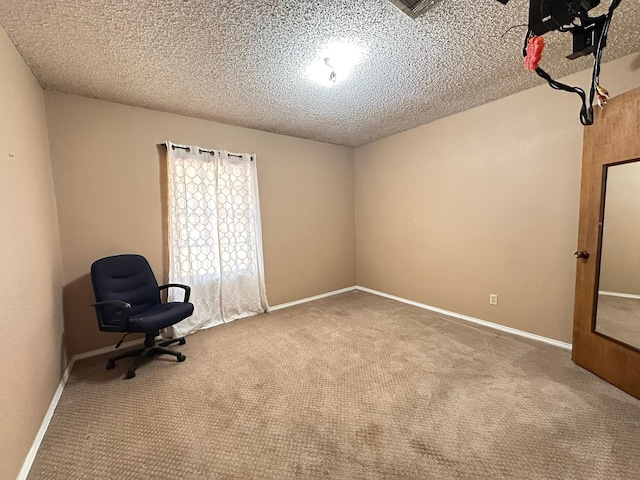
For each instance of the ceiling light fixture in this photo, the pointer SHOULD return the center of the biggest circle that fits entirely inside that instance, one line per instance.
(335, 63)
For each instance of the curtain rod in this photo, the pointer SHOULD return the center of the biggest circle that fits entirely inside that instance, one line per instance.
(202, 150)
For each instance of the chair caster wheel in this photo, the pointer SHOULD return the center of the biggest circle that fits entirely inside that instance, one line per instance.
(130, 375)
(181, 358)
(182, 341)
(110, 365)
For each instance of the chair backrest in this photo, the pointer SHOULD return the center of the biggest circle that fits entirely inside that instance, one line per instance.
(124, 277)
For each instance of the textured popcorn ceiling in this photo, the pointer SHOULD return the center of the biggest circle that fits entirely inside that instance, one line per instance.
(244, 62)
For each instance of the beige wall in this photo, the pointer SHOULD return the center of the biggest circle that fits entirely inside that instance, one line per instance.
(482, 202)
(620, 263)
(30, 263)
(107, 174)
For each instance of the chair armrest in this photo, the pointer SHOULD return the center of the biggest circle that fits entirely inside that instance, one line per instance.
(125, 309)
(186, 288)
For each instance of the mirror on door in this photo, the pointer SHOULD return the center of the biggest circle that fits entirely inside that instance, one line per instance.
(618, 303)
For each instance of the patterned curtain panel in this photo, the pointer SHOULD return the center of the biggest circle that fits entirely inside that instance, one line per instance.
(215, 235)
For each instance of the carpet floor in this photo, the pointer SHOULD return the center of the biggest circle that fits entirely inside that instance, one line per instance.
(352, 386)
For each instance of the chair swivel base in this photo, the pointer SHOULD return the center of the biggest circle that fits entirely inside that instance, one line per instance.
(149, 350)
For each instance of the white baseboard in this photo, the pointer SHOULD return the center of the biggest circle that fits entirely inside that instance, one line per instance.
(466, 318)
(28, 461)
(311, 299)
(26, 466)
(618, 294)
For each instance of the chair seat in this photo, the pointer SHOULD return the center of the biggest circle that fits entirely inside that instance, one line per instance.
(160, 316)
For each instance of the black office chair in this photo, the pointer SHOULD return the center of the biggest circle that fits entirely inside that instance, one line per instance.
(128, 300)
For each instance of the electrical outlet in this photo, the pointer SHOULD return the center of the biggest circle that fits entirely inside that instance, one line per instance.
(493, 299)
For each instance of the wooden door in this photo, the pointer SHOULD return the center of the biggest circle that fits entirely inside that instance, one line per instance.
(613, 142)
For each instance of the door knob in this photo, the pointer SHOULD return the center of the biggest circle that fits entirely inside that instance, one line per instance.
(581, 254)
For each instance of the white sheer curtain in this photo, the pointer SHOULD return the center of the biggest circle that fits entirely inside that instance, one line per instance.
(215, 235)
